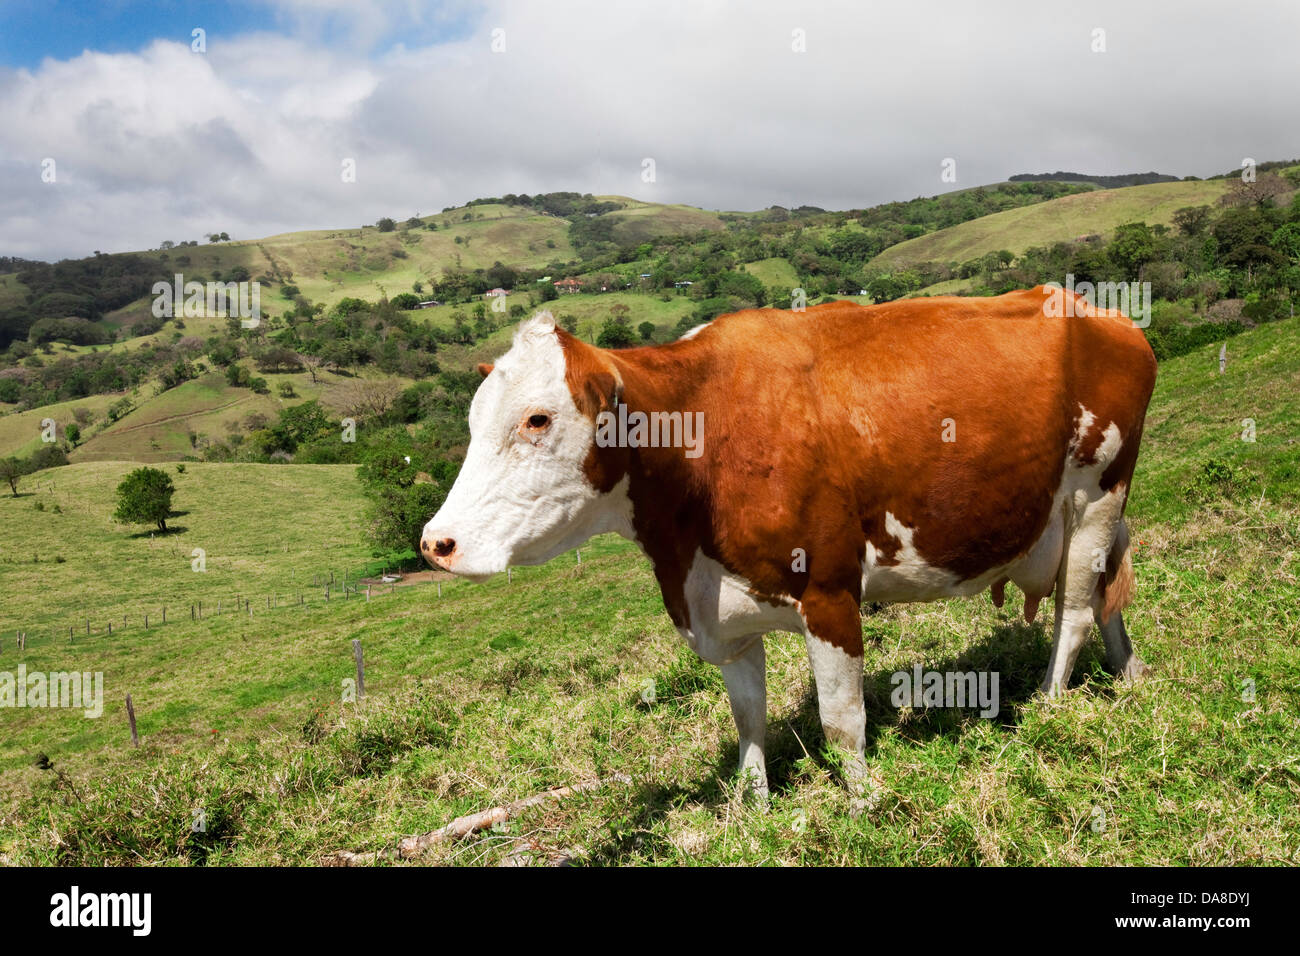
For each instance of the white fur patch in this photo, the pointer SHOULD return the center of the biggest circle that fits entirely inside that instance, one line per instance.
(724, 614)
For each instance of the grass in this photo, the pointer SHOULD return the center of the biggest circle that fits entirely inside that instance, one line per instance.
(500, 690)
(265, 530)
(20, 431)
(773, 272)
(1058, 220)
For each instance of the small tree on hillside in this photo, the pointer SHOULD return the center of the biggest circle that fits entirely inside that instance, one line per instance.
(144, 496)
(12, 469)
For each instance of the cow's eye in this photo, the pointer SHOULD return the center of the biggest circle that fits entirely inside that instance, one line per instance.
(538, 421)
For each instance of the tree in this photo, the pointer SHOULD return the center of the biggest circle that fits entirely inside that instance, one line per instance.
(12, 469)
(386, 225)
(369, 398)
(616, 332)
(73, 431)
(144, 496)
(647, 330)
(1192, 220)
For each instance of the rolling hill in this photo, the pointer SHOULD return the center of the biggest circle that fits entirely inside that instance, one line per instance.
(1059, 220)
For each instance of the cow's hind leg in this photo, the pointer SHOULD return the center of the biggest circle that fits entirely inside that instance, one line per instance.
(1093, 527)
(746, 678)
(1115, 593)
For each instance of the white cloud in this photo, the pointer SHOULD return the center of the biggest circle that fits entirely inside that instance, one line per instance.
(248, 138)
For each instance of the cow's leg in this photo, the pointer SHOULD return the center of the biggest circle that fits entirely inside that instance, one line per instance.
(1092, 529)
(1120, 657)
(834, 639)
(746, 677)
(1110, 602)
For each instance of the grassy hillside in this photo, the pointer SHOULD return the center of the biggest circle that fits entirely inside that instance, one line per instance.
(500, 690)
(1059, 220)
(265, 529)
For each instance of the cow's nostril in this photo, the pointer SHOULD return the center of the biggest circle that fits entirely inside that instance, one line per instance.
(444, 547)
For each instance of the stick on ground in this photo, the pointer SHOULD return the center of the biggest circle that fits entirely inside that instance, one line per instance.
(461, 827)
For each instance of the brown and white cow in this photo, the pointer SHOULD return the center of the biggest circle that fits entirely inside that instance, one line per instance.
(901, 452)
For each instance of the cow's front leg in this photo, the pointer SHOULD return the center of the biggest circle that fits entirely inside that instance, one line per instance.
(746, 677)
(834, 638)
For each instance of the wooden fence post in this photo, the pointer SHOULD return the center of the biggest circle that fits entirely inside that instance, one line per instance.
(130, 717)
(361, 668)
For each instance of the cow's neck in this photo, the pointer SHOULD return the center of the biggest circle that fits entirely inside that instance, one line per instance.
(668, 488)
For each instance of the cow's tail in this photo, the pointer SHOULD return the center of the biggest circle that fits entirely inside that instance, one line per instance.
(1118, 584)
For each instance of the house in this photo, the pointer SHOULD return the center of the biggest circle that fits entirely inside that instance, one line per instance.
(495, 293)
(569, 285)
(683, 285)
(429, 304)
(645, 275)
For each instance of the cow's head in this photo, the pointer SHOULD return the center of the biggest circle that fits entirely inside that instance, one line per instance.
(532, 485)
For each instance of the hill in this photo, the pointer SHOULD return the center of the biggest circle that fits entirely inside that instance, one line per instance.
(1105, 182)
(1060, 220)
(497, 691)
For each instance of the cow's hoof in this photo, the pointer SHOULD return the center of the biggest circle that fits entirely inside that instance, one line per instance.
(865, 791)
(751, 790)
(1135, 669)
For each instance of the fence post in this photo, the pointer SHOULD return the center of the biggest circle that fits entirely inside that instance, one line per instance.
(110, 628)
(578, 551)
(130, 718)
(164, 615)
(361, 668)
(439, 589)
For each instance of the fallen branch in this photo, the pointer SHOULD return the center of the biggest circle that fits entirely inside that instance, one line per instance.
(461, 827)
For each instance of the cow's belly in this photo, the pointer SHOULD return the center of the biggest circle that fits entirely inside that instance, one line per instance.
(909, 577)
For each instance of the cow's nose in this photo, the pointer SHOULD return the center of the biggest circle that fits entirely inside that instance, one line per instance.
(438, 551)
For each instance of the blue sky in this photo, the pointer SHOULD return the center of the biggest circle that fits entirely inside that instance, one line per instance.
(31, 30)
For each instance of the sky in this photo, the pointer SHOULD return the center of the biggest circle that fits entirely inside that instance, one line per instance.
(120, 127)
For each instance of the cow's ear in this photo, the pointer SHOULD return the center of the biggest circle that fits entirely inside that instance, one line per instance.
(593, 380)
(485, 368)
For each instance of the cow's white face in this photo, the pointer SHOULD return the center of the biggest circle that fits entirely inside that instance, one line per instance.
(522, 496)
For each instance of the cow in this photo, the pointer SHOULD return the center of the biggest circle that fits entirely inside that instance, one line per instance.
(908, 451)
